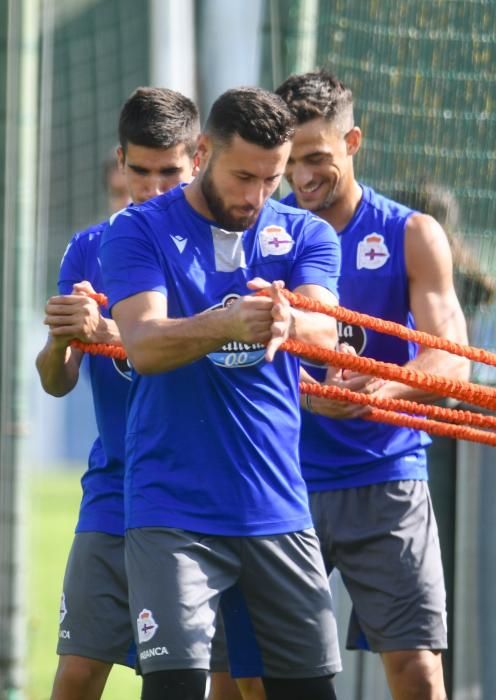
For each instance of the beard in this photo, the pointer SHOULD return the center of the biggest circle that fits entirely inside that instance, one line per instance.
(223, 215)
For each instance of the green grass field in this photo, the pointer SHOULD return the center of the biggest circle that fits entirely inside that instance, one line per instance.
(54, 501)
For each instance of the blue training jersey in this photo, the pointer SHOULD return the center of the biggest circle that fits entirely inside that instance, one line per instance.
(212, 446)
(102, 505)
(339, 454)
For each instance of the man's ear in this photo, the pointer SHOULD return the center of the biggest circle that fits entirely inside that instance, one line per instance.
(353, 140)
(121, 157)
(203, 149)
(196, 164)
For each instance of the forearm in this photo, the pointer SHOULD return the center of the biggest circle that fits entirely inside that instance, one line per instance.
(58, 367)
(434, 362)
(161, 345)
(107, 332)
(314, 328)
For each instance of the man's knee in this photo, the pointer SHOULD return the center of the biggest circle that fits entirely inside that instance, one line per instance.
(79, 677)
(415, 674)
(186, 684)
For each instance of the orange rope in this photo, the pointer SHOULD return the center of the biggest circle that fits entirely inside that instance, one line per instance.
(388, 327)
(433, 427)
(392, 417)
(464, 391)
(106, 349)
(455, 415)
(383, 410)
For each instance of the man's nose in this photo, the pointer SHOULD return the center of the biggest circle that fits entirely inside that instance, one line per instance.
(301, 176)
(255, 196)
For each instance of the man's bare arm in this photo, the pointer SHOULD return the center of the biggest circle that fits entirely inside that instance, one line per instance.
(436, 310)
(434, 305)
(156, 343)
(70, 316)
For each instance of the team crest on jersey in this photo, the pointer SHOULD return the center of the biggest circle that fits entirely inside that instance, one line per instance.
(372, 252)
(63, 609)
(146, 626)
(274, 240)
(236, 354)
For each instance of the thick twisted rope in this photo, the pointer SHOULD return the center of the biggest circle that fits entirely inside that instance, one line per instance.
(382, 410)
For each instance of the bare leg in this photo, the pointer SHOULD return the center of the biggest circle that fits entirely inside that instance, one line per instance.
(251, 688)
(79, 678)
(415, 674)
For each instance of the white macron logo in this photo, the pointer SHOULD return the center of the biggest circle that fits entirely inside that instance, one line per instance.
(180, 242)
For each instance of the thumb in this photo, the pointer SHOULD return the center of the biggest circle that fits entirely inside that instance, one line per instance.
(332, 374)
(83, 287)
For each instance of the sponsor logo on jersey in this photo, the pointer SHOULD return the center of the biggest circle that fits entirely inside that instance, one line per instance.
(372, 252)
(356, 336)
(62, 609)
(64, 634)
(180, 242)
(274, 240)
(123, 367)
(156, 651)
(146, 626)
(234, 353)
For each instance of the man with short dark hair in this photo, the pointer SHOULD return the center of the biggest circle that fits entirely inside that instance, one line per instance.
(157, 131)
(368, 482)
(213, 490)
(115, 183)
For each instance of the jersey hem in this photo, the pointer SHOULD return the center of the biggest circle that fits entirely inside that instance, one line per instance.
(366, 480)
(103, 529)
(193, 525)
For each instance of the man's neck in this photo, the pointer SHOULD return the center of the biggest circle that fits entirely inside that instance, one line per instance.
(196, 200)
(340, 213)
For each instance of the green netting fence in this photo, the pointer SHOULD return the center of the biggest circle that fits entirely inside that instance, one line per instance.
(422, 72)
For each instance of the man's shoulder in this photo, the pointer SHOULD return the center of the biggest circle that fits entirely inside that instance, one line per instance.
(285, 208)
(150, 212)
(387, 206)
(85, 242)
(92, 233)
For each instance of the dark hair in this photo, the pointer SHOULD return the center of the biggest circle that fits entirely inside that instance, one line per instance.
(258, 116)
(473, 286)
(318, 95)
(159, 118)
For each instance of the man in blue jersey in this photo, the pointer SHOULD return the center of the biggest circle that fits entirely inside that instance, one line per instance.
(368, 482)
(157, 132)
(213, 488)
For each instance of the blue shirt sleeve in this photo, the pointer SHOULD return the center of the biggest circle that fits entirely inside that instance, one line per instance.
(319, 260)
(130, 259)
(71, 267)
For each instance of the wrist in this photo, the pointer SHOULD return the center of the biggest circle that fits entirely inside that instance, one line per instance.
(59, 343)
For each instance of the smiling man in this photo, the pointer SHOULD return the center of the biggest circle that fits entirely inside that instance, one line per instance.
(368, 482)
